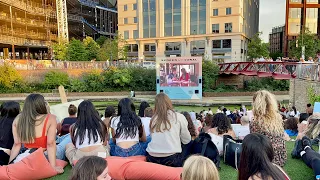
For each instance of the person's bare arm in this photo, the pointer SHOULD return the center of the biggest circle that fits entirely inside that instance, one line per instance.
(142, 134)
(51, 140)
(17, 143)
(113, 135)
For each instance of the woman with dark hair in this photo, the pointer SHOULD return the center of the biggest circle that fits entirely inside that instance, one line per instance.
(142, 107)
(191, 128)
(127, 130)
(220, 126)
(8, 113)
(256, 160)
(291, 126)
(90, 168)
(34, 128)
(293, 112)
(88, 134)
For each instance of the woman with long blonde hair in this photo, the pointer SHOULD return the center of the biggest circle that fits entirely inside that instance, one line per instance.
(169, 130)
(267, 121)
(199, 168)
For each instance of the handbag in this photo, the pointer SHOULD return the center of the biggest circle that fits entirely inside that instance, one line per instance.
(231, 151)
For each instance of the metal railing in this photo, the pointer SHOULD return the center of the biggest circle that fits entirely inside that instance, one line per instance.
(30, 6)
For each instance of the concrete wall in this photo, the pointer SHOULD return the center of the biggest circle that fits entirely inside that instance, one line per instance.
(299, 92)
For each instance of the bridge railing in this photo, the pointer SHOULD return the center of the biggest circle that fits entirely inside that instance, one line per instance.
(277, 70)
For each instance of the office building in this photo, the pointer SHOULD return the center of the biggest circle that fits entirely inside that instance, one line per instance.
(277, 39)
(301, 14)
(215, 29)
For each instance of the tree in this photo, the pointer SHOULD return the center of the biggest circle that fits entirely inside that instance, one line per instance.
(113, 49)
(275, 55)
(309, 40)
(60, 50)
(257, 48)
(91, 47)
(101, 40)
(76, 51)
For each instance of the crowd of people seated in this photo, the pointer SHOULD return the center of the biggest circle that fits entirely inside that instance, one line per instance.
(161, 134)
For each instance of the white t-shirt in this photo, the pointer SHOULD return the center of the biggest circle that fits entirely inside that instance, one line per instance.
(86, 141)
(146, 124)
(114, 124)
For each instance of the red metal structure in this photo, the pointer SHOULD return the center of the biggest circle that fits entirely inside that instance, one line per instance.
(277, 70)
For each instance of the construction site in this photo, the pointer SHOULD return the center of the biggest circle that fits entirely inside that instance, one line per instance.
(29, 28)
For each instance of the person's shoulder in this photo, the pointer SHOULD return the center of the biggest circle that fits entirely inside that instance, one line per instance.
(52, 118)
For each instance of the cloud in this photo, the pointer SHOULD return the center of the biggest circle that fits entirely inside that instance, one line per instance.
(272, 14)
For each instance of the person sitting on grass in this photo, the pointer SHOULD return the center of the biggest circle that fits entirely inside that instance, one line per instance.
(35, 128)
(142, 108)
(191, 127)
(88, 134)
(208, 120)
(199, 168)
(221, 126)
(169, 130)
(8, 113)
(303, 117)
(127, 131)
(256, 160)
(90, 168)
(109, 113)
(291, 126)
(67, 122)
(303, 149)
(267, 121)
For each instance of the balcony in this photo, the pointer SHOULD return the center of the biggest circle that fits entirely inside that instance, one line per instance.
(31, 7)
(5, 39)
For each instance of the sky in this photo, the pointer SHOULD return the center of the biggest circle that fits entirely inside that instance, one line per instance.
(272, 14)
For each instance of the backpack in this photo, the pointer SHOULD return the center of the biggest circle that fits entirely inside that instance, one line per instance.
(203, 145)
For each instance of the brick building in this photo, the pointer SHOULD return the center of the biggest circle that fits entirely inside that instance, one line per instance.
(277, 39)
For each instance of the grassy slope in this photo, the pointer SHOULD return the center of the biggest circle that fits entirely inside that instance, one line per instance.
(295, 168)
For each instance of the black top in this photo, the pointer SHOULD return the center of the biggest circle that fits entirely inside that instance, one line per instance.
(6, 136)
(69, 120)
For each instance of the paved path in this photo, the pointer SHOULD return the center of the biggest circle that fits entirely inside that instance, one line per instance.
(206, 101)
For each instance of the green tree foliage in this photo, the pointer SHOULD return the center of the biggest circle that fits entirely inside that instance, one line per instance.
(101, 40)
(113, 49)
(60, 50)
(76, 51)
(209, 75)
(257, 48)
(92, 48)
(270, 84)
(115, 77)
(54, 79)
(9, 76)
(309, 40)
(275, 55)
(143, 79)
(93, 81)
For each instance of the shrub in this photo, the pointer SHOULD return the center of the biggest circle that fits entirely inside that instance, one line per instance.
(117, 78)
(53, 79)
(9, 76)
(209, 75)
(77, 85)
(143, 79)
(270, 84)
(93, 81)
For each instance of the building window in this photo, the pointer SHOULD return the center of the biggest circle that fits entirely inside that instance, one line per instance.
(150, 47)
(215, 12)
(134, 47)
(173, 46)
(126, 34)
(228, 11)
(134, 7)
(215, 28)
(172, 18)
(125, 20)
(135, 34)
(226, 43)
(135, 20)
(198, 17)
(149, 18)
(125, 8)
(228, 27)
(216, 44)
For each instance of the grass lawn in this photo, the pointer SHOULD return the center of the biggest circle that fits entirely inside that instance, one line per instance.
(295, 168)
